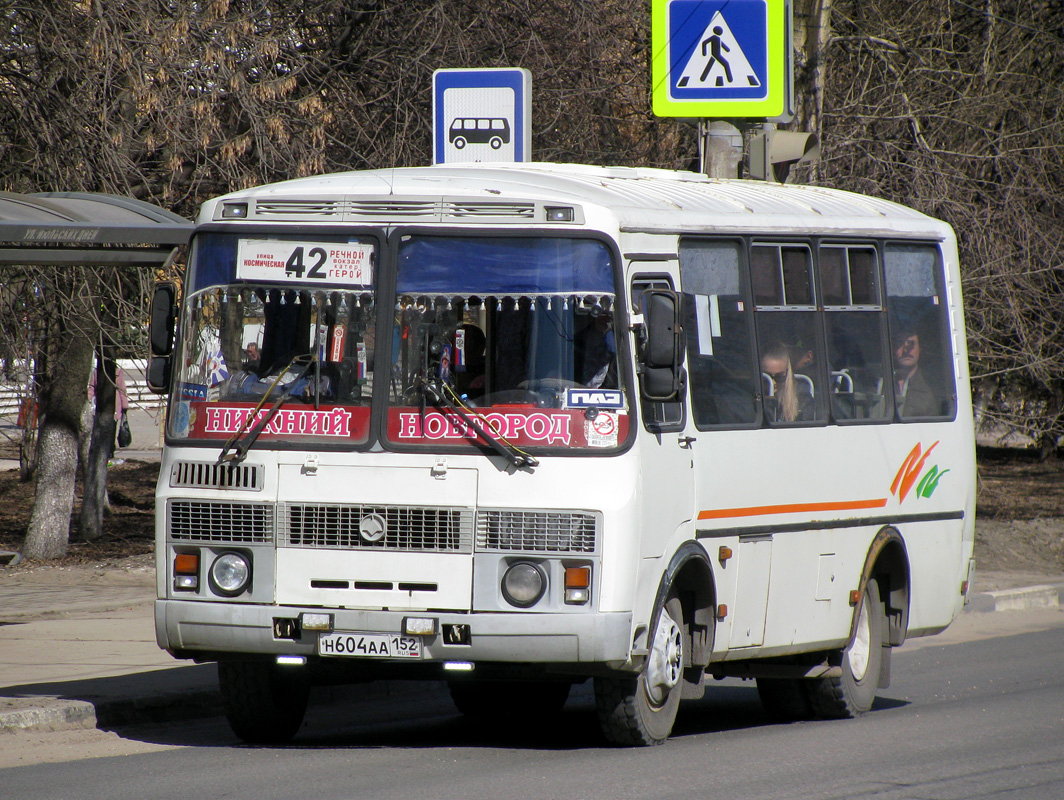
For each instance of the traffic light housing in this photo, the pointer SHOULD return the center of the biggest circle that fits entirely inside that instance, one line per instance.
(772, 153)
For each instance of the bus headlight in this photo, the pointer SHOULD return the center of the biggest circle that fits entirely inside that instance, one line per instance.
(230, 574)
(523, 584)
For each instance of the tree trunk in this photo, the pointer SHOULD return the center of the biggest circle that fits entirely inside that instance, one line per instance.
(812, 34)
(101, 448)
(57, 454)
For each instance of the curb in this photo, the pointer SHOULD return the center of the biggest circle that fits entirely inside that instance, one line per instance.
(54, 714)
(63, 714)
(1046, 596)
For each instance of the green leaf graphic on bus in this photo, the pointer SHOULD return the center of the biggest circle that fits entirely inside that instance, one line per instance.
(911, 470)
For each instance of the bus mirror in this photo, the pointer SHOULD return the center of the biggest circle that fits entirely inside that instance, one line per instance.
(662, 314)
(158, 375)
(163, 319)
(662, 374)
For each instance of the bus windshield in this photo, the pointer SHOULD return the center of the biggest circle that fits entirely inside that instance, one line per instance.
(281, 321)
(517, 331)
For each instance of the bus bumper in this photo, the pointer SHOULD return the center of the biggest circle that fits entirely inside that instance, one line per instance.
(188, 628)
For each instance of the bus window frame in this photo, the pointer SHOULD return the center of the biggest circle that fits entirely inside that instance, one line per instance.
(625, 375)
(814, 243)
(876, 246)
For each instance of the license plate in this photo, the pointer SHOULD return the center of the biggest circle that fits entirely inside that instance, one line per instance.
(369, 645)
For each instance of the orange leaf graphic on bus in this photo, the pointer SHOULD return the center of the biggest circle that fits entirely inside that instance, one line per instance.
(910, 471)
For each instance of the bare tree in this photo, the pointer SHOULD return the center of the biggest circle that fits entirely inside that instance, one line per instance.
(957, 108)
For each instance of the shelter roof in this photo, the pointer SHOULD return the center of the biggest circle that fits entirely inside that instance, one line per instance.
(86, 228)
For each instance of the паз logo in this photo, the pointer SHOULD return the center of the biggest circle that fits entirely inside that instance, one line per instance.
(910, 471)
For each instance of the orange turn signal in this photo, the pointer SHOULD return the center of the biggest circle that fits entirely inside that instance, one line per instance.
(577, 577)
(186, 564)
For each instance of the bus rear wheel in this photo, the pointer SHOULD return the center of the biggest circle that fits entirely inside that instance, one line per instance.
(853, 692)
(263, 703)
(640, 711)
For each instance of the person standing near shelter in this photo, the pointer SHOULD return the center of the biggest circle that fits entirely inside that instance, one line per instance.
(121, 404)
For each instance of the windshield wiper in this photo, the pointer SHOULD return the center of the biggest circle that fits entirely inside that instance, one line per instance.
(241, 441)
(512, 454)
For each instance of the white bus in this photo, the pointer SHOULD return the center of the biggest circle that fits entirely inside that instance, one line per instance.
(520, 426)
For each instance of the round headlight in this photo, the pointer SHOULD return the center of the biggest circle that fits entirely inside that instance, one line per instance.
(523, 584)
(230, 574)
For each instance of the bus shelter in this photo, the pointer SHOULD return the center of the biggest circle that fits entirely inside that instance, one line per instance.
(69, 229)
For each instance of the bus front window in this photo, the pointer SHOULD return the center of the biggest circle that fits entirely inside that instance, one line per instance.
(244, 344)
(519, 330)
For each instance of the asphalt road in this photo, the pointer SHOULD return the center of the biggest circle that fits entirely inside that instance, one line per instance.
(975, 713)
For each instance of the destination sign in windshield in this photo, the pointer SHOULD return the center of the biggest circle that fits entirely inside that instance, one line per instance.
(272, 260)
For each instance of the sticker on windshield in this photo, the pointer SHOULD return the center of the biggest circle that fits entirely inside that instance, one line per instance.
(601, 430)
(305, 262)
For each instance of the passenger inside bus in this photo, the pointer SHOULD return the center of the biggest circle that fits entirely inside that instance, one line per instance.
(596, 351)
(913, 395)
(789, 397)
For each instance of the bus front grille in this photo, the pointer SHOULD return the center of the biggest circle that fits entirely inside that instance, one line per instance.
(219, 522)
(210, 475)
(537, 531)
(396, 528)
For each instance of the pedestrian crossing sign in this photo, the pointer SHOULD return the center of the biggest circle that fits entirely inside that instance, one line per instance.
(721, 58)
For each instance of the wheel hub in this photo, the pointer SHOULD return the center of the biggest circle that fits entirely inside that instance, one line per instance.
(666, 660)
(860, 650)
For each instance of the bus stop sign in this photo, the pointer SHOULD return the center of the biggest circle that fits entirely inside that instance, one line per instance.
(481, 115)
(723, 59)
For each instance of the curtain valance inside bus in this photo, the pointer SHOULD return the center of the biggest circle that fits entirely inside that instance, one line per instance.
(494, 266)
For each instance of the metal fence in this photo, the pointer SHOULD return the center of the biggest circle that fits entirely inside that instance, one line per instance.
(140, 396)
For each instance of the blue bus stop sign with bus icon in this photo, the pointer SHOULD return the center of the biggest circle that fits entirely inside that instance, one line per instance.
(481, 115)
(721, 58)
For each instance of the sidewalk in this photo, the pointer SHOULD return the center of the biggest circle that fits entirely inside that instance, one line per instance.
(77, 647)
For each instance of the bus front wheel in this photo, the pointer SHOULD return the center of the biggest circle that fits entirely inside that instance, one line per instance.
(640, 711)
(263, 703)
(459, 143)
(853, 692)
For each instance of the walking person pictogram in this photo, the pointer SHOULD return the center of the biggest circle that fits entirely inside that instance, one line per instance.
(715, 45)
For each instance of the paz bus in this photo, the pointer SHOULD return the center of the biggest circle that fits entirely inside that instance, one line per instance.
(518, 427)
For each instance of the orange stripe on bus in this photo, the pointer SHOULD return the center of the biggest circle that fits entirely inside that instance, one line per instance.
(791, 508)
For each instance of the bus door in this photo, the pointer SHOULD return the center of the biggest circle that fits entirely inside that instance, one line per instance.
(666, 454)
(724, 384)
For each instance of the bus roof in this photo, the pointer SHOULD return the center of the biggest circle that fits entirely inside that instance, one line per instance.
(648, 200)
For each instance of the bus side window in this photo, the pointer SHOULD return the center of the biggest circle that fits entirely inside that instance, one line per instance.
(723, 381)
(859, 374)
(787, 341)
(923, 379)
(656, 416)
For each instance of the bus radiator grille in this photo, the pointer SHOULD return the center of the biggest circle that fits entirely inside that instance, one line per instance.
(396, 528)
(537, 531)
(218, 521)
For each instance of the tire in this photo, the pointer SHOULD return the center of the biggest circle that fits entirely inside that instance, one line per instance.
(264, 703)
(640, 711)
(495, 142)
(853, 693)
(499, 701)
(785, 699)
(459, 143)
